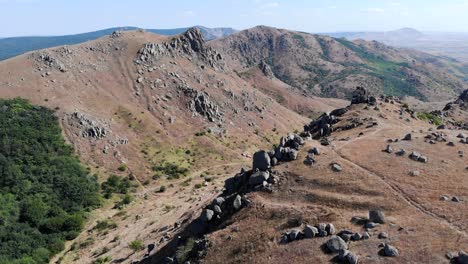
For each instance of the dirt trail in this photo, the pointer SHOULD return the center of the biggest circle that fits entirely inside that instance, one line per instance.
(394, 187)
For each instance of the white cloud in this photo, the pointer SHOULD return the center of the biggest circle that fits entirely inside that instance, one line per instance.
(374, 10)
(270, 5)
(189, 13)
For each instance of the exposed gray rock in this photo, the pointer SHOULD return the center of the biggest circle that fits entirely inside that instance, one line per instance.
(389, 149)
(217, 209)
(407, 137)
(390, 251)
(259, 177)
(336, 243)
(207, 215)
(360, 96)
(261, 161)
(330, 228)
(200, 103)
(370, 225)
(237, 202)
(356, 237)
(310, 231)
(376, 216)
(462, 257)
(352, 258)
(383, 235)
(336, 167)
(294, 235)
(401, 152)
(219, 201)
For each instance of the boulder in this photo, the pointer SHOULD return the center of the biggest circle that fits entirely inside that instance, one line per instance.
(261, 161)
(237, 202)
(390, 251)
(217, 209)
(370, 225)
(207, 215)
(376, 216)
(360, 96)
(401, 152)
(330, 228)
(218, 201)
(259, 177)
(389, 149)
(383, 235)
(342, 254)
(423, 159)
(294, 235)
(356, 237)
(415, 155)
(407, 137)
(462, 257)
(352, 258)
(336, 243)
(310, 231)
(336, 167)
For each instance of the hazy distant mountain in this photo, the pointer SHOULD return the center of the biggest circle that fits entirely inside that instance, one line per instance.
(450, 44)
(11, 47)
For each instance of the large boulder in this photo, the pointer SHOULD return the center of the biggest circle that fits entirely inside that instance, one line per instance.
(259, 177)
(261, 161)
(237, 204)
(390, 251)
(310, 231)
(376, 216)
(360, 96)
(336, 243)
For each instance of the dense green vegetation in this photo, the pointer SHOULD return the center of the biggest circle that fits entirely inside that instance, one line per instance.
(44, 190)
(390, 73)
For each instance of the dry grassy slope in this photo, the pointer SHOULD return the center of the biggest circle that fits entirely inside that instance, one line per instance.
(100, 79)
(334, 67)
(420, 225)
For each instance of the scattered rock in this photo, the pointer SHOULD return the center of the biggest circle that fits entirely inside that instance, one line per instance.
(383, 235)
(237, 202)
(388, 149)
(336, 167)
(390, 251)
(336, 243)
(310, 231)
(414, 173)
(407, 137)
(261, 161)
(376, 216)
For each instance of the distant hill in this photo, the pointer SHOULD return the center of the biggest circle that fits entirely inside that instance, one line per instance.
(450, 44)
(11, 47)
(333, 67)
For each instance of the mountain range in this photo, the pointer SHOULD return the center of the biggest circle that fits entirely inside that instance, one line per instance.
(264, 145)
(14, 46)
(450, 44)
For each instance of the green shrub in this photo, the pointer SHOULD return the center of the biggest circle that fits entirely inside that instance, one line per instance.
(122, 167)
(431, 118)
(115, 184)
(171, 170)
(136, 245)
(105, 224)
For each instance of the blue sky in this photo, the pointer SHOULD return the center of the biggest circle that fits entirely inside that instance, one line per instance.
(55, 17)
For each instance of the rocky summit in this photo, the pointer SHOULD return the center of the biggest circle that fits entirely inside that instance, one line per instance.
(262, 146)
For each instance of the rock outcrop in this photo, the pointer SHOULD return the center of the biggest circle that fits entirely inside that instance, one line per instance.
(190, 44)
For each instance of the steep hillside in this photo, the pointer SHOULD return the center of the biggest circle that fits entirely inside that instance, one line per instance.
(369, 183)
(166, 115)
(14, 46)
(330, 67)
